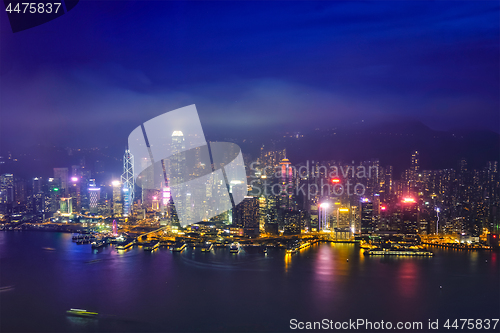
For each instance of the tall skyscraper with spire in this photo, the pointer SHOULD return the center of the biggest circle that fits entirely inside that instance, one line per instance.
(128, 182)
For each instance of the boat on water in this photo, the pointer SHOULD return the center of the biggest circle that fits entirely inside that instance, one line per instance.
(80, 237)
(48, 248)
(81, 313)
(398, 252)
(151, 246)
(93, 261)
(98, 244)
(234, 248)
(207, 247)
(179, 247)
(125, 245)
(6, 288)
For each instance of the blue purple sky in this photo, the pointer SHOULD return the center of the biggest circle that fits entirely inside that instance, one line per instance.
(94, 74)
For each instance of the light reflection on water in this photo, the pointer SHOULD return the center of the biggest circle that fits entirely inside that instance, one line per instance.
(161, 291)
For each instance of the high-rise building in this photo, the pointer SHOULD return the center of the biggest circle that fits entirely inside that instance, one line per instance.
(37, 185)
(413, 175)
(343, 218)
(20, 194)
(74, 190)
(7, 188)
(66, 206)
(128, 182)
(61, 175)
(177, 173)
(409, 216)
(117, 205)
(246, 215)
(367, 218)
(94, 197)
(323, 216)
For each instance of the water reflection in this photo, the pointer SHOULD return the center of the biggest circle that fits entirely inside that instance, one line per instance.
(288, 260)
(407, 278)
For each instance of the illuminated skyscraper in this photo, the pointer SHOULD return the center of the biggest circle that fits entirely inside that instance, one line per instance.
(7, 188)
(94, 196)
(128, 182)
(414, 172)
(409, 216)
(61, 175)
(177, 170)
(66, 206)
(37, 185)
(74, 190)
(367, 221)
(323, 220)
(246, 215)
(117, 197)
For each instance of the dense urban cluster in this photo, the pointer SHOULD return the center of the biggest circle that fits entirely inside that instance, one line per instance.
(345, 199)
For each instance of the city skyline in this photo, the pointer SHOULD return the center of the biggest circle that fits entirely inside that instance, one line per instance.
(249, 166)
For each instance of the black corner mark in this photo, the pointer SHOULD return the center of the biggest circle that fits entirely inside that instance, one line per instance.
(26, 14)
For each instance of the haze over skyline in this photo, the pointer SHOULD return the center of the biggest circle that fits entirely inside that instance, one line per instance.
(97, 72)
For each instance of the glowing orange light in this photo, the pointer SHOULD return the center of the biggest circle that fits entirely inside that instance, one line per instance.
(382, 208)
(335, 180)
(408, 200)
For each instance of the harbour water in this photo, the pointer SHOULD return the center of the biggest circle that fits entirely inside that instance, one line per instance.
(251, 291)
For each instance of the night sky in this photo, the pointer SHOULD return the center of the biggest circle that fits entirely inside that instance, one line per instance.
(94, 74)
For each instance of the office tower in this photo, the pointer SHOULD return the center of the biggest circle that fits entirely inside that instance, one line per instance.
(94, 197)
(74, 190)
(262, 213)
(384, 217)
(19, 191)
(409, 216)
(323, 218)
(128, 182)
(61, 175)
(343, 230)
(117, 205)
(286, 182)
(293, 223)
(314, 217)
(37, 185)
(367, 217)
(246, 215)
(39, 203)
(343, 218)
(7, 188)
(126, 201)
(415, 162)
(271, 215)
(66, 206)
(388, 180)
(177, 172)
